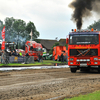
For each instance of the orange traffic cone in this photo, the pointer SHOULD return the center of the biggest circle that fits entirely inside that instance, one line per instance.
(56, 64)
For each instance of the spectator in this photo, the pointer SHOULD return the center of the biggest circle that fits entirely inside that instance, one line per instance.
(4, 57)
(39, 57)
(26, 58)
(62, 57)
(14, 53)
(20, 54)
(10, 53)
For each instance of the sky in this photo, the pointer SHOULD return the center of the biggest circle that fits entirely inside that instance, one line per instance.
(52, 18)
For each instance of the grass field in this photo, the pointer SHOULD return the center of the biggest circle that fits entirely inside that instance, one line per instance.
(91, 96)
(36, 63)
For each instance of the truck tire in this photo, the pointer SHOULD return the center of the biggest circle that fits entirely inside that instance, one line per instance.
(99, 69)
(73, 70)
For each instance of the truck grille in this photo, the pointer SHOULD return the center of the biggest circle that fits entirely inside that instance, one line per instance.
(83, 52)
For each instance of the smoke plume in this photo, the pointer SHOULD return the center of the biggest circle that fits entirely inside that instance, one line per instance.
(84, 8)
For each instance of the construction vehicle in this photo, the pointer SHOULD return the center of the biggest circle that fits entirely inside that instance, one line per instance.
(83, 50)
(33, 49)
(9, 46)
(57, 51)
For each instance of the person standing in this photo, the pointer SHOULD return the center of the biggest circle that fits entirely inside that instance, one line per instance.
(62, 57)
(39, 57)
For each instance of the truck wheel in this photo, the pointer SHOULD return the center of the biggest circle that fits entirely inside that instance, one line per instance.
(99, 69)
(73, 70)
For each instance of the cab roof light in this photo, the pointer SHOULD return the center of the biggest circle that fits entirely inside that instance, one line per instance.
(74, 30)
(92, 29)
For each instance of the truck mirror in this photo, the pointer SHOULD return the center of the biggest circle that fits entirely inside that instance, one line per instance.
(67, 41)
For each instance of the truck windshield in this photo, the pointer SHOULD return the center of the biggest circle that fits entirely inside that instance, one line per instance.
(38, 49)
(10, 46)
(84, 39)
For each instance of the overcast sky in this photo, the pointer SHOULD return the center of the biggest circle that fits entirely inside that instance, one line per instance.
(52, 18)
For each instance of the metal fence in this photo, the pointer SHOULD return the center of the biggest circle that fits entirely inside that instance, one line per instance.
(16, 59)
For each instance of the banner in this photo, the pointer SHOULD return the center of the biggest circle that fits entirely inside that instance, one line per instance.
(3, 45)
(3, 37)
(3, 34)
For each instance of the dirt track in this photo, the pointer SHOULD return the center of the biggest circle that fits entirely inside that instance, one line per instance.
(46, 83)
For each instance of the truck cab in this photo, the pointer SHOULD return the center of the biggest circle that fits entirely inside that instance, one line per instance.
(84, 50)
(33, 49)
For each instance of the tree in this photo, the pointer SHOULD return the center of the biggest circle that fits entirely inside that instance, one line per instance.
(95, 25)
(1, 27)
(19, 28)
(30, 26)
(56, 44)
(1, 23)
(66, 45)
(9, 31)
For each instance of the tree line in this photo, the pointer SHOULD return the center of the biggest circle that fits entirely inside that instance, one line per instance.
(95, 25)
(17, 30)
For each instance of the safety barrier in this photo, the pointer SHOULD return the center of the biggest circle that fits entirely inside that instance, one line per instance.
(16, 59)
(29, 59)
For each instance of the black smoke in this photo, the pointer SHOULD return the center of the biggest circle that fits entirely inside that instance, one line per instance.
(83, 9)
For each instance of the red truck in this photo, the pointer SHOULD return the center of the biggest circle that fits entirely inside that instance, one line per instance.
(33, 49)
(84, 50)
(57, 51)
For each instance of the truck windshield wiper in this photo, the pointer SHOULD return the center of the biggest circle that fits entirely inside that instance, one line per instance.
(82, 53)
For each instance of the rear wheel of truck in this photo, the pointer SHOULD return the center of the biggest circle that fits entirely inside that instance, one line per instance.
(73, 70)
(99, 69)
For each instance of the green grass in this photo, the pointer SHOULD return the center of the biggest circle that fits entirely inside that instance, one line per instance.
(36, 63)
(91, 96)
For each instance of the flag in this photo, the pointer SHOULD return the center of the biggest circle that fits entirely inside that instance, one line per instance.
(3, 37)
(3, 34)
(31, 37)
(30, 33)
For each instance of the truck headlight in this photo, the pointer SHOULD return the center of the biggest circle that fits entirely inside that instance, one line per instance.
(88, 60)
(71, 59)
(95, 58)
(95, 62)
(77, 60)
